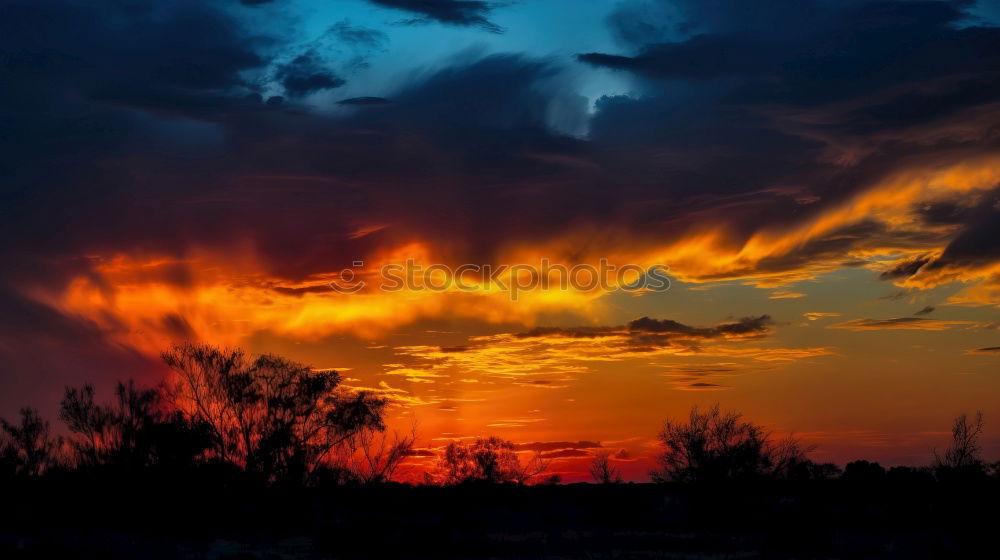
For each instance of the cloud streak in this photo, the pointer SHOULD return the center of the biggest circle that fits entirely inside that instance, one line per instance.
(900, 323)
(565, 353)
(452, 12)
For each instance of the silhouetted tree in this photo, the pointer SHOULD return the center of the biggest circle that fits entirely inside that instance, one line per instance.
(863, 471)
(27, 448)
(602, 471)
(88, 422)
(963, 459)
(489, 460)
(136, 430)
(275, 418)
(376, 457)
(714, 446)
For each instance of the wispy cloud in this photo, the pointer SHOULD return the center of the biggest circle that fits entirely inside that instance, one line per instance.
(786, 294)
(900, 323)
(989, 350)
(817, 315)
(550, 357)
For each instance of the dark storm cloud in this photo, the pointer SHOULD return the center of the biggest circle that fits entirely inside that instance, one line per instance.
(364, 101)
(905, 268)
(944, 212)
(142, 55)
(744, 327)
(154, 129)
(452, 12)
(646, 325)
(639, 22)
(979, 240)
(89, 88)
(812, 51)
(307, 74)
(496, 92)
(646, 334)
(473, 148)
(735, 98)
(975, 246)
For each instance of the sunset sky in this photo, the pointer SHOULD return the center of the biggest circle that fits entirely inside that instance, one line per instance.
(821, 177)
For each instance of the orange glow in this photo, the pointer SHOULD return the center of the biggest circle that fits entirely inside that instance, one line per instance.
(515, 384)
(224, 299)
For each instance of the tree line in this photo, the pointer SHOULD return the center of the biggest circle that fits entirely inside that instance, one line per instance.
(717, 446)
(275, 422)
(269, 419)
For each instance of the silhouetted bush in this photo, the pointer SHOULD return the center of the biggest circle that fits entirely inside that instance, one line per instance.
(375, 457)
(26, 448)
(486, 461)
(276, 419)
(135, 431)
(863, 471)
(717, 446)
(963, 459)
(602, 471)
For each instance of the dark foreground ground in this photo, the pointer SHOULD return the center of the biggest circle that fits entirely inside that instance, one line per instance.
(835, 519)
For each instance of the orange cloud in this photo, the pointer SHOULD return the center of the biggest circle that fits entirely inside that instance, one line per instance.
(147, 302)
(786, 294)
(151, 303)
(887, 213)
(817, 315)
(562, 353)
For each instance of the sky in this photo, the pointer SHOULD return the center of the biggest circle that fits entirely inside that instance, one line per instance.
(820, 179)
